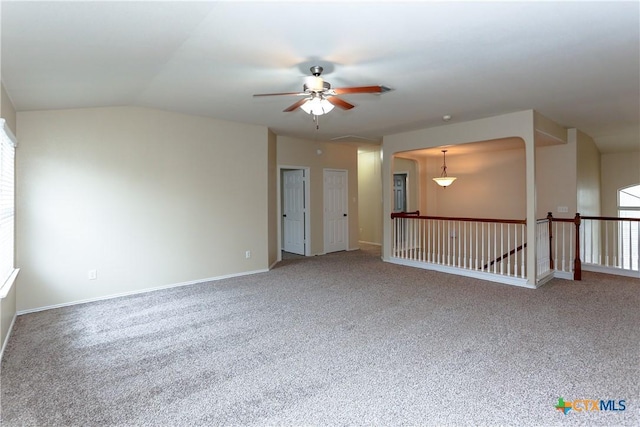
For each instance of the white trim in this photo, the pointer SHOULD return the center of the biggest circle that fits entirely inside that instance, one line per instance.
(7, 131)
(507, 280)
(610, 270)
(8, 284)
(142, 291)
(545, 278)
(567, 275)
(6, 338)
(275, 262)
(369, 243)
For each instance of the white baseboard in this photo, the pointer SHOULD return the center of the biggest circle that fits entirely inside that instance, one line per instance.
(567, 275)
(610, 270)
(507, 280)
(142, 291)
(545, 279)
(6, 338)
(370, 243)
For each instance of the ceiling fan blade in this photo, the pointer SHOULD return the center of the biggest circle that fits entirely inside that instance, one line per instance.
(340, 102)
(281, 94)
(361, 89)
(296, 105)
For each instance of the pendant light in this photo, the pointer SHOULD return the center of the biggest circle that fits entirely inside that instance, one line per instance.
(443, 180)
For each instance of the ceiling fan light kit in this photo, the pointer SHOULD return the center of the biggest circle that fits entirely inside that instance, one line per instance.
(317, 106)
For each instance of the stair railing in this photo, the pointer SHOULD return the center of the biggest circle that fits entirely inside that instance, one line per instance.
(482, 244)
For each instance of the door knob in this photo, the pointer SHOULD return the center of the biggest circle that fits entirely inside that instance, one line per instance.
(344, 214)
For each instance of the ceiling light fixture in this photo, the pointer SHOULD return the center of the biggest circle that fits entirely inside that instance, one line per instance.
(443, 180)
(317, 106)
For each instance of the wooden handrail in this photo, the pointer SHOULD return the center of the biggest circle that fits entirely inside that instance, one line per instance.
(610, 218)
(601, 218)
(448, 218)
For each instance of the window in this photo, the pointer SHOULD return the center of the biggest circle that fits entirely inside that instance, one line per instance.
(7, 202)
(629, 207)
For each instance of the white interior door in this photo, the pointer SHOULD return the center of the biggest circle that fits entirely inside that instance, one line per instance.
(293, 211)
(336, 221)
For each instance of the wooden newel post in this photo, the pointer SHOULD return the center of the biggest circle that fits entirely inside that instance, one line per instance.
(550, 218)
(577, 264)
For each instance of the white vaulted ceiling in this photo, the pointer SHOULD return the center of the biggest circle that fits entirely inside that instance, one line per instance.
(578, 63)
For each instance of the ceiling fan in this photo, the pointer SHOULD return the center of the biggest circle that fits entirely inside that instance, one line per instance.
(320, 98)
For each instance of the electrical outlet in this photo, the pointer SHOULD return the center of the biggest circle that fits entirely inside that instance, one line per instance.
(247, 254)
(563, 209)
(92, 274)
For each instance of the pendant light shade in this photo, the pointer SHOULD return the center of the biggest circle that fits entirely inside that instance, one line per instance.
(443, 180)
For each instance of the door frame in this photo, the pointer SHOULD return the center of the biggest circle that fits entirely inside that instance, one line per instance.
(307, 207)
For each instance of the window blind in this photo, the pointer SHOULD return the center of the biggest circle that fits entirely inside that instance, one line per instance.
(7, 201)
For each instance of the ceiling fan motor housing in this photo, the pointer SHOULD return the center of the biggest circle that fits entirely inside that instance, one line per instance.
(315, 84)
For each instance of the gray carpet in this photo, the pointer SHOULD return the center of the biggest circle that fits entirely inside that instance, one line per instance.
(340, 339)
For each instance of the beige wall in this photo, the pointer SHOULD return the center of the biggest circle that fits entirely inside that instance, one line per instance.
(568, 176)
(304, 153)
(548, 131)
(370, 196)
(619, 170)
(145, 197)
(588, 174)
(490, 184)
(556, 170)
